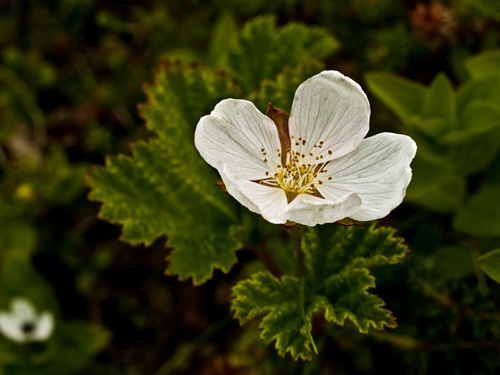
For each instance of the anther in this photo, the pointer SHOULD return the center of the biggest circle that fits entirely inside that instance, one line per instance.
(330, 152)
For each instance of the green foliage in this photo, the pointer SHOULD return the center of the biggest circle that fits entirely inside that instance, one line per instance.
(439, 102)
(222, 36)
(434, 184)
(336, 280)
(403, 96)
(262, 49)
(165, 187)
(281, 90)
(490, 264)
(457, 132)
(71, 346)
(481, 214)
(484, 65)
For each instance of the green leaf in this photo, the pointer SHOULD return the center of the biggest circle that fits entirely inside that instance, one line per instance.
(78, 343)
(484, 65)
(473, 150)
(490, 264)
(453, 262)
(280, 92)
(481, 214)
(435, 185)
(165, 188)
(440, 101)
(222, 36)
(17, 236)
(485, 90)
(479, 114)
(336, 280)
(401, 95)
(262, 49)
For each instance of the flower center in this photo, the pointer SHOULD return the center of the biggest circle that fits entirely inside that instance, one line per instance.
(27, 327)
(295, 176)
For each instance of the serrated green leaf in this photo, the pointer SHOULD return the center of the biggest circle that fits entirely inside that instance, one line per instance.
(490, 264)
(480, 216)
(483, 65)
(403, 96)
(281, 91)
(440, 101)
(165, 187)
(336, 280)
(262, 49)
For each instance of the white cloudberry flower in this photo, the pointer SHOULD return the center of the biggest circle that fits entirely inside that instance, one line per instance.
(22, 324)
(313, 166)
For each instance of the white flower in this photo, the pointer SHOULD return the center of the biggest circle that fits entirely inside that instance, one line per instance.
(314, 167)
(22, 324)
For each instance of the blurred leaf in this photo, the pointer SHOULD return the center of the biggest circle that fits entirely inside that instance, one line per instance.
(17, 236)
(453, 262)
(440, 101)
(479, 114)
(262, 50)
(484, 65)
(78, 343)
(490, 264)
(480, 216)
(165, 187)
(472, 151)
(222, 36)
(435, 186)
(18, 278)
(403, 96)
(336, 280)
(433, 127)
(280, 92)
(484, 90)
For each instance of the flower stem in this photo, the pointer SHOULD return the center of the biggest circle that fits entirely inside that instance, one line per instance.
(296, 234)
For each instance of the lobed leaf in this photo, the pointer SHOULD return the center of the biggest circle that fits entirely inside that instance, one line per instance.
(281, 91)
(336, 282)
(164, 187)
(262, 49)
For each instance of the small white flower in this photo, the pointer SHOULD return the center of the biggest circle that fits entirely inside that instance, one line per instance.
(22, 324)
(314, 167)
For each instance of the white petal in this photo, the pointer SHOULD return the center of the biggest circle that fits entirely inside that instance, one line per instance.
(44, 327)
(235, 133)
(310, 210)
(330, 108)
(23, 310)
(378, 171)
(267, 201)
(10, 327)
